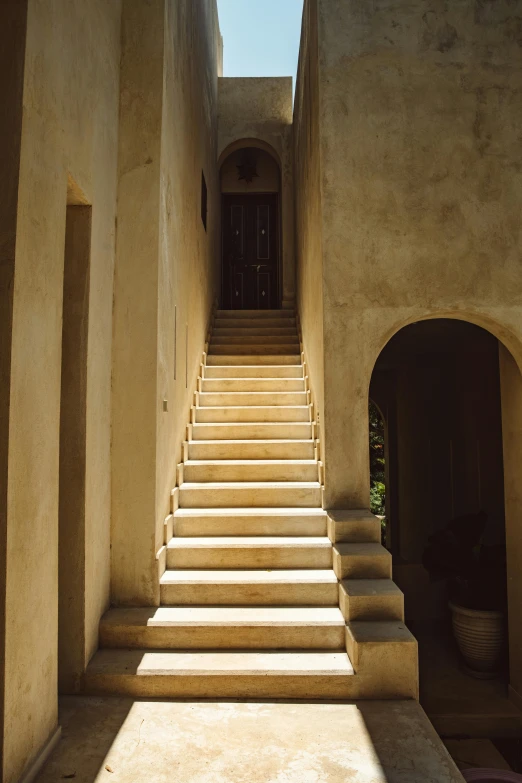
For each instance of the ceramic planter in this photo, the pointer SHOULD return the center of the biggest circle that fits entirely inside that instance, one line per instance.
(480, 636)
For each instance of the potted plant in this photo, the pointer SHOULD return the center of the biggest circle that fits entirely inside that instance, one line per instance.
(476, 579)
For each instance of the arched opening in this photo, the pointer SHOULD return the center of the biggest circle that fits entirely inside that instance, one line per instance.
(250, 180)
(446, 389)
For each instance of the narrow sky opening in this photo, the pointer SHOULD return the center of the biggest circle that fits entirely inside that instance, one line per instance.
(260, 38)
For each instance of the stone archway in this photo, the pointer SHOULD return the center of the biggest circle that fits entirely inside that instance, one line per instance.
(452, 393)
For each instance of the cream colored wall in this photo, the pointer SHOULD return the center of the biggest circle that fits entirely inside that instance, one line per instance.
(165, 271)
(308, 215)
(420, 110)
(260, 109)
(70, 121)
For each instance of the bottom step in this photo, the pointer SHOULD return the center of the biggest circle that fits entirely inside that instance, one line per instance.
(209, 675)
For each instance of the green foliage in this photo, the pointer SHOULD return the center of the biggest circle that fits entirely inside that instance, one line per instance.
(377, 462)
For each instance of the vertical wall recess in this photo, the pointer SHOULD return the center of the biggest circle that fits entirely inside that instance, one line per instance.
(71, 582)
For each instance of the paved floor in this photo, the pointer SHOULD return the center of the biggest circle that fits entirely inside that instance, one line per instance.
(459, 705)
(123, 741)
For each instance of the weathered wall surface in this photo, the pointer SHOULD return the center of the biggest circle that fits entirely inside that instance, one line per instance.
(13, 21)
(421, 109)
(165, 281)
(70, 121)
(308, 223)
(260, 109)
(188, 272)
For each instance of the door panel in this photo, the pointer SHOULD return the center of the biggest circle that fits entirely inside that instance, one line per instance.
(250, 256)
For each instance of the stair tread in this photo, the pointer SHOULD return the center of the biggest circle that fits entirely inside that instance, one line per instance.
(249, 462)
(363, 549)
(214, 662)
(257, 441)
(164, 616)
(250, 485)
(377, 631)
(250, 511)
(369, 587)
(240, 576)
(228, 542)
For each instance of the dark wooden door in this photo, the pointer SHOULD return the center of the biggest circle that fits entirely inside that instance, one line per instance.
(250, 252)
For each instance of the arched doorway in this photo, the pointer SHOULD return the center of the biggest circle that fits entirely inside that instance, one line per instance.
(450, 393)
(250, 180)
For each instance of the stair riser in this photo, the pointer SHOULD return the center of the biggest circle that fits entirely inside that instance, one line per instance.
(268, 359)
(201, 637)
(272, 558)
(275, 385)
(260, 414)
(258, 315)
(307, 594)
(225, 399)
(247, 497)
(255, 339)
(230, 349)
(254, 371)
(372, 608)
(360, 567)
(254, 331)
(202, 473)
(253, 323)
(228, 686)
(248, 526)
(251, 450)
(297, 430)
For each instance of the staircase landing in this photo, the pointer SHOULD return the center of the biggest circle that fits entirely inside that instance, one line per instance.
(237, 742)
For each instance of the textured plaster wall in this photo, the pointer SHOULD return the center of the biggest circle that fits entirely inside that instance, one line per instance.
(165, 271)
(70, 121)
(13, 21)
(308, 223)
(420, 114)
(260, 110)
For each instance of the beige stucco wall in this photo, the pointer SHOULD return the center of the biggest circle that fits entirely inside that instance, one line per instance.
(70, 121)
(267, 169)
(165, 271)
(254, 110)
(308, 214)
(420, 110)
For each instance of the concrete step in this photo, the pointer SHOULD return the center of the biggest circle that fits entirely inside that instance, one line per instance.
(240, 330)
(218, 627)
(250, 449)
(258, 315)
(214, 522)
(298, 430)
(254, 371)
(305, 587)
(245, 359)
(251, 470)
(218, 674)
(371, 599)
(249, 323)
(265, 413)
(385, 654)
(255, 339)
(252, 385)
(272, 349)
(354, 527)
(239, 399)
(244, 552)
(263, 494)
(362, 561)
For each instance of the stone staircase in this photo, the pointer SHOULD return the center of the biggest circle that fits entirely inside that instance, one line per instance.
(265, 594)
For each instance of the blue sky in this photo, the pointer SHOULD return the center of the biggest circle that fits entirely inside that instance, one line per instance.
(260, 38)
